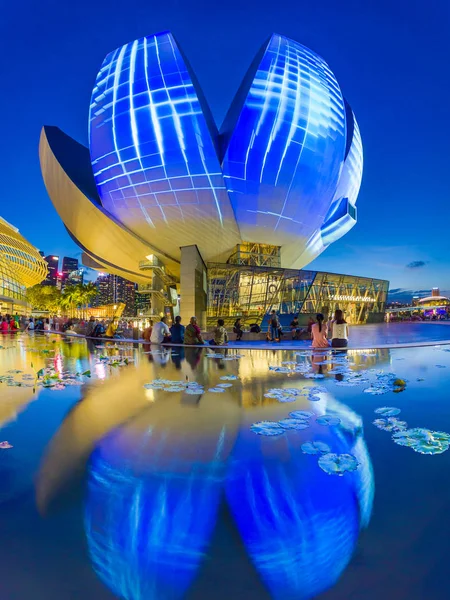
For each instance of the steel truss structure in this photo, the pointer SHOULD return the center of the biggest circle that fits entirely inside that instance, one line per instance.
(251, 292)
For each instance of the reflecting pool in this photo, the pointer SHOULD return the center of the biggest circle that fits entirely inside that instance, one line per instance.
(148, 473)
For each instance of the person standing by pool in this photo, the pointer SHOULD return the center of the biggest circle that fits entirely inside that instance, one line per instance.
(339, 335)
(274, 327)
(4, 326)
(193, 334)
(237, 329)
(177, 331)
(160, 332)
(319, 333)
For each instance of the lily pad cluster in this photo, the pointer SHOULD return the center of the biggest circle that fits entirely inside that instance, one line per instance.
(224, 356)
(297, 419)
(167, 385)
(114, 361)
(424, 441)
(385, 383)
(293, 394)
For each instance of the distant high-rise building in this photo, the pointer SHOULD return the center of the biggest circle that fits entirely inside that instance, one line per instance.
(75, 277)
(68, 265)
(103, 291)
(52, 277)
(143, 304)
(435, 292)
(113, 289)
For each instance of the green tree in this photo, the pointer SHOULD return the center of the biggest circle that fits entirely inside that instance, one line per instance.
(44, 297)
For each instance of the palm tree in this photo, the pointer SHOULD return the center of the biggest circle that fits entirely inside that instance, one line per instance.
(87, 292)
(70, 298)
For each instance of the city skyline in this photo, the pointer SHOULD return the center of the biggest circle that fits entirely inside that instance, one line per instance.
(398, 174)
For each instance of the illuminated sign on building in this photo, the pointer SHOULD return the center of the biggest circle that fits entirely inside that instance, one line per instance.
(353, 298)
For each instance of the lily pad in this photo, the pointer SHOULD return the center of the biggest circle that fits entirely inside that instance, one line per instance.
(388, 411)
(423, 440)
(268, 428)
(293, 424)
(338, 464)
(390, 424)
(301, 414)
(315, 448)
(328, 420)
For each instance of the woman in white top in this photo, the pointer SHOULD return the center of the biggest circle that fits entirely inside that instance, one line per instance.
(339, 336)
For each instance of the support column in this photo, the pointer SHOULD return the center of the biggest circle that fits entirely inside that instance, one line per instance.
(193, 286)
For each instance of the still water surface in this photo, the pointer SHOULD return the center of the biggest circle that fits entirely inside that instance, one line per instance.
(117, 486)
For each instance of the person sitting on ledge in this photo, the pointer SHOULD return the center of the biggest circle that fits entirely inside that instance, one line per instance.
(295, 328)
(91, 324)
(160, 333)
(220, 334)
(177, 331)
(148, 331)
(193, 334)
(339, 337)
(319, 333)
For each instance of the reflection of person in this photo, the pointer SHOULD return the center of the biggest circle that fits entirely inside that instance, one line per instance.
(177, 357)
(193, 334)
(193, 356)
(319, 333)
(160, 332)
(339, 336)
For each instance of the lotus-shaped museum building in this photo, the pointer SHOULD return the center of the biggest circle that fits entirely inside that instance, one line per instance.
(161, 188)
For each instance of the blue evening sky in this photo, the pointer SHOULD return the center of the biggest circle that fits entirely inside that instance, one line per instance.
(391, 59)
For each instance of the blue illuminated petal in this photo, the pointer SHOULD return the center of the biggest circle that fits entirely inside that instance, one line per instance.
(284, 158)
(153, 148)
(299, 525)
(150, 512)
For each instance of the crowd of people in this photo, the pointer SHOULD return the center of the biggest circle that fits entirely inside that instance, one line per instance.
(322, 333)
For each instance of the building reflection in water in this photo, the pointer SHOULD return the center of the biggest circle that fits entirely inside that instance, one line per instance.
(155, 485)
(153, 496)
(299, 524)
